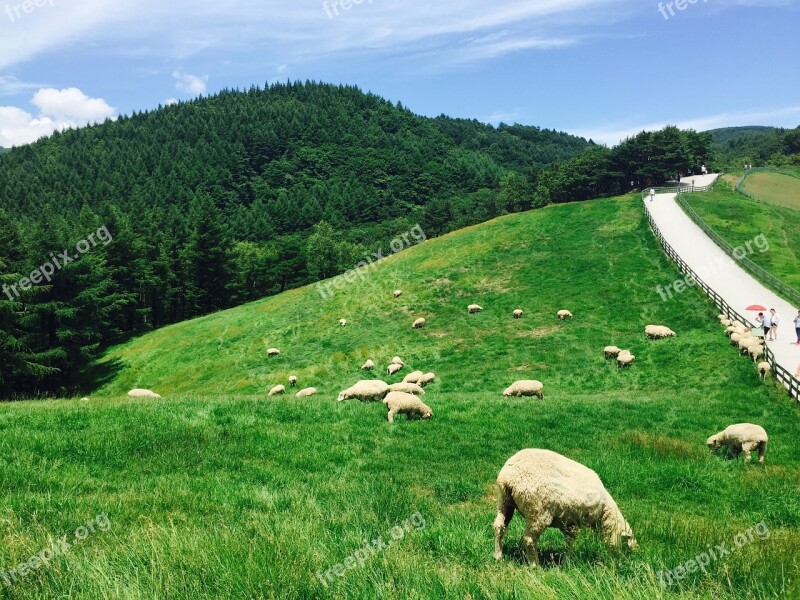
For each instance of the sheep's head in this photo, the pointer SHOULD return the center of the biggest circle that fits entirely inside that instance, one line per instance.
(427, 414)
(342, 396)
(627, 537)
(713, 442)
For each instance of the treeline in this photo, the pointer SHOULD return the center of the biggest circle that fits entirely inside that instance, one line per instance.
(756, 146)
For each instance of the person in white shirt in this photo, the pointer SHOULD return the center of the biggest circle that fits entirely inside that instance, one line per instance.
(766, 322)
(652, 194)
(775, 320)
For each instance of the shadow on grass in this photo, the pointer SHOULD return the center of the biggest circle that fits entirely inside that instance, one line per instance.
(97, 375)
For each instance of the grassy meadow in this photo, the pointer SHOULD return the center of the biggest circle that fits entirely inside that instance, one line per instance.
(778, 189)
(217, 491)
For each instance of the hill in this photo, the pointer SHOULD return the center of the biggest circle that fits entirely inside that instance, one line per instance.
(757, 146)
(217, 490)
(781, 189)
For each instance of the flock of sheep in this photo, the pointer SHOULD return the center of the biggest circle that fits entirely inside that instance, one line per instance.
(749, 345)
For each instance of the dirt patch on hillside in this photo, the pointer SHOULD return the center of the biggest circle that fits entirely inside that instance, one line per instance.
(538, 333)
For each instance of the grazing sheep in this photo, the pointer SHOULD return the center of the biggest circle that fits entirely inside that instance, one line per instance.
(722, 316)
(137, 393)
(756, 352)
(518, 313)
(550, 490)
(398, 293)
(563, 314)
(426, 379)
(725, 322)
(474, 308)
(398, 361)
(402, 403)
(764, 369)
(273, 352)
(408, 388)
(735, 337)
(292, 380)
(342, 322)
(656, 332)
(730, 331)
(306, 393)
(743, 437)
(413, 377)
(746, 343)
(525, 387)
(368, 366)
(625, 358)
(418, 324)
(393, 368)
(278, 389)
(366, 390)
(611, 352)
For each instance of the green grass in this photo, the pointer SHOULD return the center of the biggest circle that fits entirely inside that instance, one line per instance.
(775, 188)
(739, 219)
(216, 491)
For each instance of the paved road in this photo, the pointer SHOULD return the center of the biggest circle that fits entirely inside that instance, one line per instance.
(721, 273)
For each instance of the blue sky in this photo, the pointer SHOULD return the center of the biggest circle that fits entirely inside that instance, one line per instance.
(599, 68)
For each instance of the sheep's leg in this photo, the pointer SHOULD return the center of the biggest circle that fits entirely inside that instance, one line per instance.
(747, 447)
(392, 413)
(533, 531)
(762, 450)
(505, 510)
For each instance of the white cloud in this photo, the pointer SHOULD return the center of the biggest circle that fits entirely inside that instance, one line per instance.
(170, 101)
(190, 84)
(58, 110)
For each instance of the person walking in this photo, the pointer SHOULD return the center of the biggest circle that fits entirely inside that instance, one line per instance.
(652, 194)
(797, 327)
(775, 320)
(766, 323)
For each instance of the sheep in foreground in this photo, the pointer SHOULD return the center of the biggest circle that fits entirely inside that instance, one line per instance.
(273, 352)
(518, 313)
(342, 322)
(563, 314)
(278, 389)
(138, 393)
(525, 387)
(743, 437)
(426, 379)
(474, 308)
(756, 352)
(393, 368)
(398, 293)
(413, 377)
(306, 393)
(408, 404)
(368, 366)
(764, 369)
(550, 490)
(419, 323)
(611, 352)
(293, 380)
(656, 332)
(369, 390)
(625, 358)
(408, 388)
(398, 361)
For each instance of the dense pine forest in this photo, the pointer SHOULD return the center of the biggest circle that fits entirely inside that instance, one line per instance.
(208, 204)
(757, 146)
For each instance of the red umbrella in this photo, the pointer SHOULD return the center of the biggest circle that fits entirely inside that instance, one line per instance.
(756, 307)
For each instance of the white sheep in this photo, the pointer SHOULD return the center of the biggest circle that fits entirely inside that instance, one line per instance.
(746, 343)
(408, 404)
(342, 322)
(368, 366)
(408, 388)
(398, 361)
(419, 323)
(563, 314)
(273, 352)
(292, 380)
(722, 316)
(525, 387)
(474, 308)
(413, 377)
(743, 437)
(393, 368)
(398, 293)
(426, 379)
(625, 358)
(278, 389)
(369, 390)
(730, 331)
(306, 393)
(735, 337)
(657, 332)
(611, 352)
(756, 352)
(138, 393)
(725, 322)
(764, 369)
(518, 313)
(550, 490)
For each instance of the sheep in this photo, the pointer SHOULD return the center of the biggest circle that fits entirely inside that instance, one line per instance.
(342, 322)
(764, 369)
(518, 313)
(273, 352)
(278, 389)
(722, 316)
(426, 379)
(611, 352)
(306, 393)
(725, 322)
(408, 404)
(474, 308)
(525, 387)
(368, 366)
(655, 332)
(398, 293)
(398, 361)
(550, 490)
(756, 352)
(730, 331)
(293, 380)
(137, 393)
(408, 388)
(738, 324)
(418, 324)
(735, 337)
(413, 377)
(746, 343)
(741, 437)
(563, 314)
(392, 369)
(625, 358)
(365, 390)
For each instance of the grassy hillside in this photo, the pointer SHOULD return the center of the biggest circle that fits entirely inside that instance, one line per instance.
(781, 189)
(739, 219)
(218, 491)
